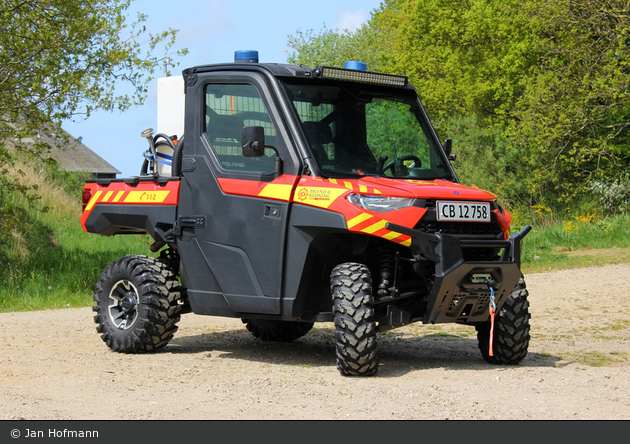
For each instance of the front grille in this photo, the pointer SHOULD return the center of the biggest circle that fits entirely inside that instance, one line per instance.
(460, 228)
(463, 230)
(430, 224)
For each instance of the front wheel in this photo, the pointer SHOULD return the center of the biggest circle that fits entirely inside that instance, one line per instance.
(137, 304)
(354, 319)
(511, 330)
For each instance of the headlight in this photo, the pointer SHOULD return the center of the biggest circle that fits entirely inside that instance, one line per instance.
(379, 204)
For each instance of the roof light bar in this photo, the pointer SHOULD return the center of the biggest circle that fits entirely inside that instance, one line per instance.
(362, 76)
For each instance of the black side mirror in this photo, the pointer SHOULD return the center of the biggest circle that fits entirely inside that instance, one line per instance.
(448, 147)
(254, 146)
(253, 141)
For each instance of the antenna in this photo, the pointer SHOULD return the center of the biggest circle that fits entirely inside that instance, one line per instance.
(167, 62)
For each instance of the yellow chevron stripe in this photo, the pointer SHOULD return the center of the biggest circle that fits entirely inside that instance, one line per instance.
(391, 235)
(93, 200)
(375, 227)
(357, 220)
(118, 196)
(277, 191)
(107, 196)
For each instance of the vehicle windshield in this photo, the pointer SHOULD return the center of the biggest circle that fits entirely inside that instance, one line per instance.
(358, 130)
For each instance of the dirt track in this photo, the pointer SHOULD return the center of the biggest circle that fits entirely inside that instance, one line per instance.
(54, 366)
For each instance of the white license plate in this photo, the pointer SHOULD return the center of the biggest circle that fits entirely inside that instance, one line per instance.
(463, 211)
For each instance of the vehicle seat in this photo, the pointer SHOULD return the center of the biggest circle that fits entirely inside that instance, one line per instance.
(318, 135)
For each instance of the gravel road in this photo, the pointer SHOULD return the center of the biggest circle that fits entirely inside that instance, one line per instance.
(54, 366)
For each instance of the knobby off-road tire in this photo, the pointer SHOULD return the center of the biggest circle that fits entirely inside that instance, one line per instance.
(511, 330)
(354, 319)
(137, 304)
(278, 331)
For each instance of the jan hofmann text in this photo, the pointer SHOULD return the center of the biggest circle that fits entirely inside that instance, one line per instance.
(55, 433)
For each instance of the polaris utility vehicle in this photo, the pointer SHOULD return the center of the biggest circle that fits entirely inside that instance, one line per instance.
(302, 195)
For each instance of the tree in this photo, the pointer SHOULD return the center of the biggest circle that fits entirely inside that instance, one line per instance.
(65, 58)
(574, 114)
(334, 48)
(552, 76)
(464, 57)
(60, 58)
(536, 91)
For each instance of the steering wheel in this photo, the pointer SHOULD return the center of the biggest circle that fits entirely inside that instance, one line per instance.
(398, 164)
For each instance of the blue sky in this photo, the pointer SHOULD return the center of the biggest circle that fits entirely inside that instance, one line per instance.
(212, 31)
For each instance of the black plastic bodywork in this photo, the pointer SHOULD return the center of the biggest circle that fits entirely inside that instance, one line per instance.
(456, 295)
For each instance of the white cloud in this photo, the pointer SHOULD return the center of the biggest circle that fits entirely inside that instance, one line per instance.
(351, 20)
(205, 31)
(211, 22)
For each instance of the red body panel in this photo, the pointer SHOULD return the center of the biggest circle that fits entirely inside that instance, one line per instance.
(143, 193)
(330, 194)
(313, 191)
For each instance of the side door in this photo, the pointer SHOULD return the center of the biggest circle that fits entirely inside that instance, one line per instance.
(234, 209)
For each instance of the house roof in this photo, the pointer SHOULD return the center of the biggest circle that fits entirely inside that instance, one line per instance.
(75, 156)
(78, 157)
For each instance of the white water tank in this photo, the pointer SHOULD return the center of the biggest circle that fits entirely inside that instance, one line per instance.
(170, 118)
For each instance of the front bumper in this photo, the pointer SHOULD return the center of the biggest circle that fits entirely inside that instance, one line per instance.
(461, 289)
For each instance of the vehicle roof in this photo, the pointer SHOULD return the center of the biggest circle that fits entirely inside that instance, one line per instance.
(276, 69)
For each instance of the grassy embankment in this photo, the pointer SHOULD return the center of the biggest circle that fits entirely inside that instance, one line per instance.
(577, 241)
(51, 262)
(54, 264)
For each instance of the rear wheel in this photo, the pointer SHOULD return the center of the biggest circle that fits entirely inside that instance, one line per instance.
(137, 304)
(279, 331)
(511, 330)
(354, 319)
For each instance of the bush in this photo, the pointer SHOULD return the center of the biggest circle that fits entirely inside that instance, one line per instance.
(613, 195)
(486, 159)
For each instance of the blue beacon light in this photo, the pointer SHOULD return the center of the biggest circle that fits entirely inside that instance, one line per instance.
(246, 56)
(357, 66)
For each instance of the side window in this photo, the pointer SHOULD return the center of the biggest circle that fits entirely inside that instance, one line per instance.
(229, 108)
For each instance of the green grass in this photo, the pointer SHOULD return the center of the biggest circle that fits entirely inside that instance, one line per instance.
(577, 242)
(47, 260)
(63, 275)
(595, 358)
